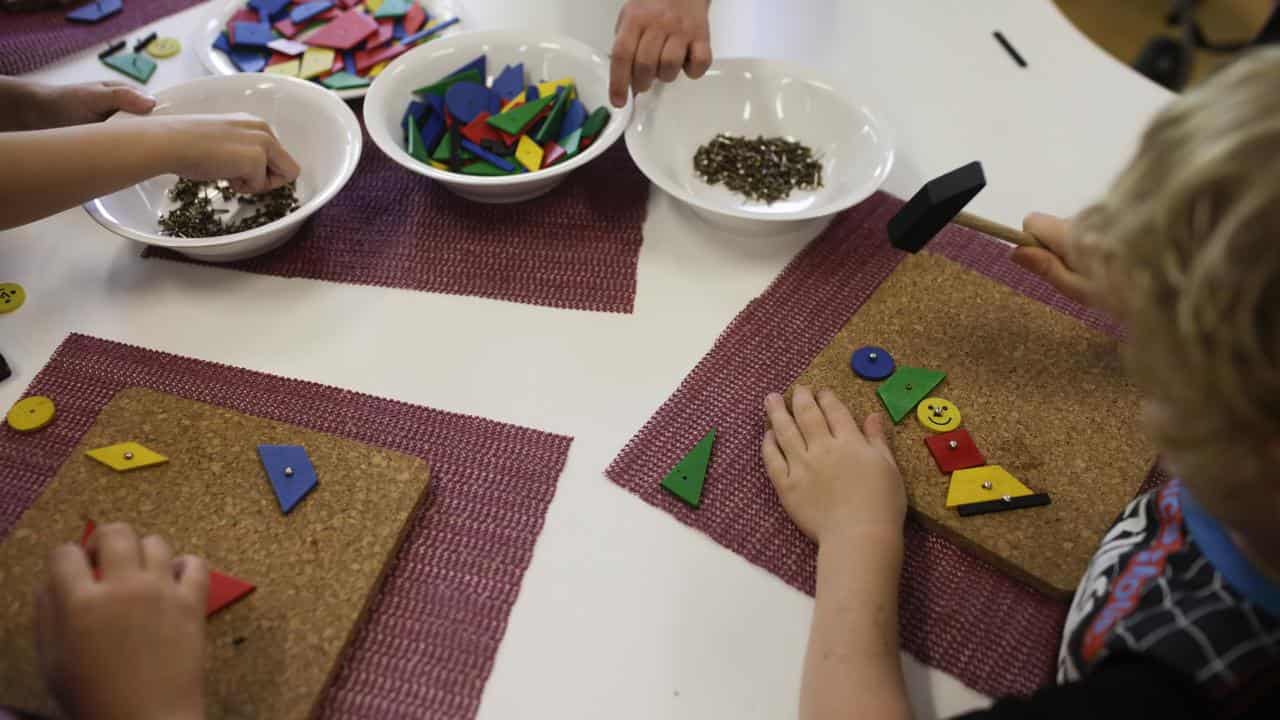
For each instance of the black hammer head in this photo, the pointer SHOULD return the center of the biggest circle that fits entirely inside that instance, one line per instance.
(937, 203)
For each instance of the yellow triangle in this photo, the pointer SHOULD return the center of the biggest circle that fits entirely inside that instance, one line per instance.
(549, 88)
(127, 456)
(967, 485)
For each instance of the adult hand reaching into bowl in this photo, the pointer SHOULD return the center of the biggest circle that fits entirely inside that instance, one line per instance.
(655, 40)
(64, 167)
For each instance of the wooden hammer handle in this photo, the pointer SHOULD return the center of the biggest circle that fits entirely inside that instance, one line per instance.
(996, 230)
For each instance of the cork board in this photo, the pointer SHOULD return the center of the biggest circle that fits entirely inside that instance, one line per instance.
(1042, 395)
(271, 654)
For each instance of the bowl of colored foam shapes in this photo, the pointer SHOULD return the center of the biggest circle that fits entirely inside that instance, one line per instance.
(340, 44)
(207, 220)
(496, 117)
(756, 143)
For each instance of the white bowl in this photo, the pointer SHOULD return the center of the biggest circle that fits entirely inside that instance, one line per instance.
(316, 127)
(751, 97)
(545, 58)
(220, 11)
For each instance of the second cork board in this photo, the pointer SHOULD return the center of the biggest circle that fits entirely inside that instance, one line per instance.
(316, 569)
(1042, 395)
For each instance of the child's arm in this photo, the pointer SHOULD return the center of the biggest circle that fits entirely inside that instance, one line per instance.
(654, 39)
(129, 646)
(30, 105)
(52, 170)
(841, 486)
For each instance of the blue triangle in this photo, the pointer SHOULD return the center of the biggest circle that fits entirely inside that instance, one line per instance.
(290, 472)
(509, 82)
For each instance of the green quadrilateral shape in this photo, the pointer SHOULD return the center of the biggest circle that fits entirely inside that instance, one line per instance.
(686, 478)
(906, 388)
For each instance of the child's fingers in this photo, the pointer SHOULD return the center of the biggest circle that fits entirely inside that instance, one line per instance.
(131, 101)
(774, 462)
(68, 569)
(281, 163)
(839, 419)
(699, 60)
(808, 415)
(192, 574)
(45, 622)
(1050, 267)
(784, 426)
(879, 435)
(157, 556)
(672, 58)
(649, 53)
(117, 549)
(620, 61)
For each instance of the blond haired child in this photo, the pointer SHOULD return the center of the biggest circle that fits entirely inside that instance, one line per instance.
(1178, 615)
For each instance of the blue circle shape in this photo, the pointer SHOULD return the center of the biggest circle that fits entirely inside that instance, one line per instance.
(872, 363)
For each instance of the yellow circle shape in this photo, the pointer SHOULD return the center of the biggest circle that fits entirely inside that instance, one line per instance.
(164, 47)
(31, 413)
(11, 297)
(938, 414)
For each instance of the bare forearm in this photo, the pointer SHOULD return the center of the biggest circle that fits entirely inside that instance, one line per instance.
(852, 667)
(16, 100)
(49, 171)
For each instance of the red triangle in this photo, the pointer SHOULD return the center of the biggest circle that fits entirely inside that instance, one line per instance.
(223, 591)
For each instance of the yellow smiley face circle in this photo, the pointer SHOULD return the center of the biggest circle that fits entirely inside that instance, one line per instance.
(938, 414)
(31, 413)
(11, 297)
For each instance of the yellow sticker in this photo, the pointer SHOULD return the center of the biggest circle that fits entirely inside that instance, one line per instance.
(938, 414)
(164, 47)
(126, 456)
(529, 154)
(31, 413)
(289, 68)
(982, 484)
(11, 297)
(316, 61)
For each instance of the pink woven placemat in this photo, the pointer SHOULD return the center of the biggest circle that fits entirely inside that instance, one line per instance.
(30, 40)
(576, 247)
(428, 645)
(958, 613)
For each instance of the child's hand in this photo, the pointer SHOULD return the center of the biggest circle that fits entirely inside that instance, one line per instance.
(833, 479)
(62, 105)
(131, 645)
(1054, 261)
(655, 39)
(239, 147)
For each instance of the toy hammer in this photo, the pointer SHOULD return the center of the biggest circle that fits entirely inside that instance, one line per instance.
(941, 201)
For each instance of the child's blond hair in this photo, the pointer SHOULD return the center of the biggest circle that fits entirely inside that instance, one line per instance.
(1188, 242)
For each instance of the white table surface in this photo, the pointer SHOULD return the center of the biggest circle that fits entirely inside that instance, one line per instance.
(624, 612)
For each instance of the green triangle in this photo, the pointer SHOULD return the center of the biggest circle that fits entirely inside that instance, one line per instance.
(481, 167)
(515, 120)
(344, 81)
(135, 65)
(906, 388)
(686, 478)
(443, 86)
(415, 148)
(550, 129)
(444, 149)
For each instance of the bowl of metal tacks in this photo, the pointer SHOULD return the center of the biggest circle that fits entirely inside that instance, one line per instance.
(207, 220)
(757, 142)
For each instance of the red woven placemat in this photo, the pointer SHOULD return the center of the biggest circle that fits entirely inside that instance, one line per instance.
(957, 612)
(428, 645)
(31, 39)
(574, 248)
